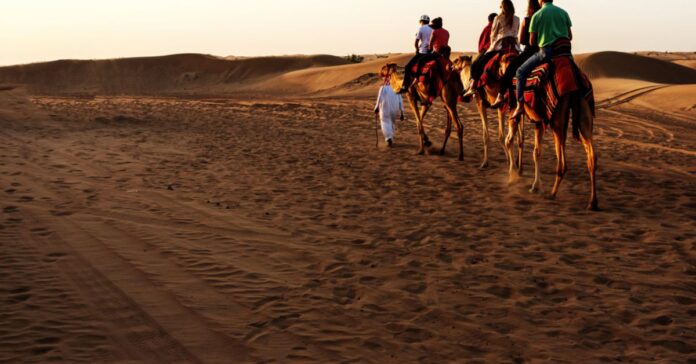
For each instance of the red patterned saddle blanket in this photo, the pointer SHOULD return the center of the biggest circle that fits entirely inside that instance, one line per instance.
(434, 73)
(552, 80)
(491, 69)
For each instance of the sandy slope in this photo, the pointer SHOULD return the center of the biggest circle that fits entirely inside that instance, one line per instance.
(270, 229)
(629, 66)
(139, 229)
(174, 74)
(202, 75)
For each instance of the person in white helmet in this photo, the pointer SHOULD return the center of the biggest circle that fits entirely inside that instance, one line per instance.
(425, 32)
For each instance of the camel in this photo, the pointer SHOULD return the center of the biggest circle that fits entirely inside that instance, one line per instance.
(484, 98)
(583, 121)
(418, 97)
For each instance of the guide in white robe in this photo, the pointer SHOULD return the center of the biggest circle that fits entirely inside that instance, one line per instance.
(390, 107)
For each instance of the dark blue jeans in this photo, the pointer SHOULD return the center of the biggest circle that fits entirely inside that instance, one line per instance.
(527, 67)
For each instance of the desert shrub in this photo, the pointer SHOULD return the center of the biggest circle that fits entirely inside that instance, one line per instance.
(354, 58)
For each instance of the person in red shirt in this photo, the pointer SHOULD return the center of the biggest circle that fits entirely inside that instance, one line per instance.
(485, 39)
(440, 38)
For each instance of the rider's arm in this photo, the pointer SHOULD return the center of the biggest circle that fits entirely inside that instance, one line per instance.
(495, 29)
(570, 33)
(417, 45)
(533, 39)
(520, 33)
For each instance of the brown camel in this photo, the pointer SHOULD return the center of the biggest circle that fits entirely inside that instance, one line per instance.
(583, 121)
(486, 96)
(419, 96)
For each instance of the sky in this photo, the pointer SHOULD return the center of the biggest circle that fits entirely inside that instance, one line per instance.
(45, 30)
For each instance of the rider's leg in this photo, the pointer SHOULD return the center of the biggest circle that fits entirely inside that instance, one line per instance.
(523, 72)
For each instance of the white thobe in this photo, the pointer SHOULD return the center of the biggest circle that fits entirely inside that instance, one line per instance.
(390, 107)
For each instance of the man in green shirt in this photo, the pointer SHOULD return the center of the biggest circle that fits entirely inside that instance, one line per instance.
(548, 25)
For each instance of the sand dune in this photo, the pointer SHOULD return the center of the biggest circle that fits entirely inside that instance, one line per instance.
(344, 79)
(260, 224)
(182, 73)
(634, 67)
(160, 230)
(195, 74)
(691, 63)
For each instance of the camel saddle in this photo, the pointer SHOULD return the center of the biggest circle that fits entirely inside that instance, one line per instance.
(552, 80)
(490, 70)
(434, 72)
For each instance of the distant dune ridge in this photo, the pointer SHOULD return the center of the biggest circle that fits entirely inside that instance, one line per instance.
(197, 75)
(147, 75)
(635, 67)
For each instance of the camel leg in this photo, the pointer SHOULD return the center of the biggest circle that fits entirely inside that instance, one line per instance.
(592, 168)
(501, 128)
(520, 145)
(538, 139)
(484, 125)
(448, 131)
(507, 147)
(585, 117)
(454, 116)
(506, 139)
(560, 131)
(559, 138)
(424, 141)
(419, 123)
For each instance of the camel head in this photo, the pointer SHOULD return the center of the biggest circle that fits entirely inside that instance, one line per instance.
(504, 64)
(463, 65)
(390, 71)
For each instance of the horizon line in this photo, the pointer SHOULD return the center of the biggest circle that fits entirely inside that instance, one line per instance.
(300, 55)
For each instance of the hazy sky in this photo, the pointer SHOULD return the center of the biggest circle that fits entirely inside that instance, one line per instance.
(43, 30)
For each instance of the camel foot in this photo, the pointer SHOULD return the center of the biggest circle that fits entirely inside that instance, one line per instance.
(534, 189)
(461, 157)
(420, 152)
(484, 165)
(593, 206)
(442, 152)
(512, 179)
(551, 197)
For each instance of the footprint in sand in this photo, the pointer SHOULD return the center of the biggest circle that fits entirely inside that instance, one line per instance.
(501, 292)
(54, 257)
(61, 213)
(414, 335)
(41, 231)
(344, 295)
(20, 294)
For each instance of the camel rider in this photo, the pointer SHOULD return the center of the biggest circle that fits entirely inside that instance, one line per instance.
(529, 50)
(485, 38)
(548, 25)
(503, 36)
(440, 38)
(422, 45)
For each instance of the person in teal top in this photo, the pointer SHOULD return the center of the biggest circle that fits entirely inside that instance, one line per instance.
(548, 25)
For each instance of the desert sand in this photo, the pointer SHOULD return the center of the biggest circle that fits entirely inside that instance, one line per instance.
(190, 208)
